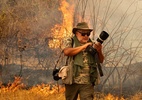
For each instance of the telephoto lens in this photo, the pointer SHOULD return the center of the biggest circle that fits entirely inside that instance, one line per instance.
(102, 37)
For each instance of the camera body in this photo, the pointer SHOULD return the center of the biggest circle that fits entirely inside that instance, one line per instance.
(102, 37)
(91, 50)
(55, 74)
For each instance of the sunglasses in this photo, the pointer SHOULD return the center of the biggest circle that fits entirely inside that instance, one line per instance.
(84, 33)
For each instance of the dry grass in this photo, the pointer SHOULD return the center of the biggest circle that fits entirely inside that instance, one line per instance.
(16, 91)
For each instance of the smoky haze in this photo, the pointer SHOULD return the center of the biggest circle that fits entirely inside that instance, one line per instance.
(122, 20)
(25, 33)
(26, 29)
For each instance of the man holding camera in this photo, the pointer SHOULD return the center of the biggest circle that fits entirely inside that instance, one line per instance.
(84, 63)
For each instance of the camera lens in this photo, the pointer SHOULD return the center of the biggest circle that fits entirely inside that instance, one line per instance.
(103, 36)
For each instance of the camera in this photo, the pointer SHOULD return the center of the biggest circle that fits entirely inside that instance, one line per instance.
(55, 74)
(102, 37)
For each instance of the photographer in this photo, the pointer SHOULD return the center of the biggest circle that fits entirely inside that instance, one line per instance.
(83, 63)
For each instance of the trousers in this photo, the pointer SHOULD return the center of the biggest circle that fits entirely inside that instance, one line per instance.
(83, 91)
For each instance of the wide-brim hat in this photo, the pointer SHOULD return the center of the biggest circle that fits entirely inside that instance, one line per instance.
(81, 26)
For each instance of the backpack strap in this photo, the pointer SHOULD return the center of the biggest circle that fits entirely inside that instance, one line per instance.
(68, 56)
(72, 42)
(61, 55)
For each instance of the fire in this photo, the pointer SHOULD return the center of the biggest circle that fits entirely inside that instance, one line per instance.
(111, 97)
(64, 29)
(40, 89)
(17, 84)
(48, 92)
(47, 89)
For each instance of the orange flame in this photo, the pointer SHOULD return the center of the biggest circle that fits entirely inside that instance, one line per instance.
(62, 30)
(111, 97)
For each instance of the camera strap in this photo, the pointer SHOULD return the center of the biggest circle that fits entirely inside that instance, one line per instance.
(72, 44)
(58, 59)
(98, 64)
(56, 67)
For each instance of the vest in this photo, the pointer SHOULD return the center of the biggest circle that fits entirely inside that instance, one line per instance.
(78, 62)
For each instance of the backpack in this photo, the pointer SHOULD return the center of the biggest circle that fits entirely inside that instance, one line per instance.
(65, 72)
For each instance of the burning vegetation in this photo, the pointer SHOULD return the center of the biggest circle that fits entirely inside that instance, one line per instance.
(18, 91)
(31, 34)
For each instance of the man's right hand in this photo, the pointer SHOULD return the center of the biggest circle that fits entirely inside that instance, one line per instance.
(86, 45)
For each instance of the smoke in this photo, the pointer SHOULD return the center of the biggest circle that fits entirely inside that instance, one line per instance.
(30, 22)
(121, 19)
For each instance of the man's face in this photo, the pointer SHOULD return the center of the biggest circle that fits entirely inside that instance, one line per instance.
(83, 35)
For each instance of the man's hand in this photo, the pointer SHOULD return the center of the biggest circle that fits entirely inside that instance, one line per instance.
(86, 45)
(98, 46)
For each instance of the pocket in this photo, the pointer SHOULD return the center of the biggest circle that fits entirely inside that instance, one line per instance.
(68, 78)
(63, 72)
(69, 72)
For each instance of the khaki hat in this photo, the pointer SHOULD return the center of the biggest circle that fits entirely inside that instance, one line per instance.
(81, 26)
